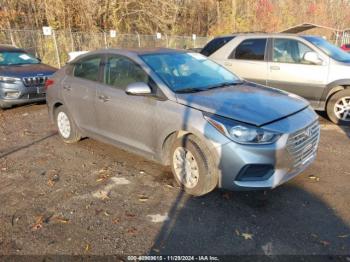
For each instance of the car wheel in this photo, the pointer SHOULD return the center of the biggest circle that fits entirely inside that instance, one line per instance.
(66, 126)
(338, 107)
(193, 166)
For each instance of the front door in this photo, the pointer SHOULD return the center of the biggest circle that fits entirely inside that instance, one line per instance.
(126, 119)
(290, 72)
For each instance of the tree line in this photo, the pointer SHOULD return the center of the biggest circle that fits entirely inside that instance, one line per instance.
(173, 17)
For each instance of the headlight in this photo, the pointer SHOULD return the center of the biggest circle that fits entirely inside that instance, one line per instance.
(242, 133)
(9, 80)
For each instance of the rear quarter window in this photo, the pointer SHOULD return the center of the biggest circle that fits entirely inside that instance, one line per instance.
(250, 49)
(215, 45)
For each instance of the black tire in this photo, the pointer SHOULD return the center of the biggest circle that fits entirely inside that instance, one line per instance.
(332, 101)
(74, 134)
(208, 173)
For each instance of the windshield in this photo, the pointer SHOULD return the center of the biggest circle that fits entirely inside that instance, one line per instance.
(17, 58)
(186, 72)
(331, 50)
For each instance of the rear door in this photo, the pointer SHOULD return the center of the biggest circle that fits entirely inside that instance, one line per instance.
(249, 61)
(125, 118)
(288, 71)
(79, 91)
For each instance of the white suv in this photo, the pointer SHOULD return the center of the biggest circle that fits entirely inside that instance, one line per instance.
(308, 66)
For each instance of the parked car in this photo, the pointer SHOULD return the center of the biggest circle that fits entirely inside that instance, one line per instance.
(346, 47)
(308, 66)
(22, 77)
(182, 109)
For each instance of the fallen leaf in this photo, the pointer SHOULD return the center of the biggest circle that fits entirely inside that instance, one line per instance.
(143, 199)
(226, 195)
(116, 221)
(142, 172)
(106, 213)
(325, 243)
(313, 177)
(130, 215)
(87, 247)
(132, 230)
(61, 220)
(237, 232)
(344, 236)
(247, 236)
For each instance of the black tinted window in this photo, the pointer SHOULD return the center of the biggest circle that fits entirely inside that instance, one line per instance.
(215, 44)
(251, 49)
(121, 71)
(87, 68)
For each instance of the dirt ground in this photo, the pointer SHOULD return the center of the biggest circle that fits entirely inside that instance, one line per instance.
(92, 198)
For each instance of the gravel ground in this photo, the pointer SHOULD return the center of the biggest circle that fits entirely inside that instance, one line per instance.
(92, 198)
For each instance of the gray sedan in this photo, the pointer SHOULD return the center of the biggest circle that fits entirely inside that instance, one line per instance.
(181, 109)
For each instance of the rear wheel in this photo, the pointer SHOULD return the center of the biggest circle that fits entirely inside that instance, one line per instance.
(193, 166)
(65, 125)
(338, 107)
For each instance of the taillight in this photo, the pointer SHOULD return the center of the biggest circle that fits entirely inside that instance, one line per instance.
(48, 83)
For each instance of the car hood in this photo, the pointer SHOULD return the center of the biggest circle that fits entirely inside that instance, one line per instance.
(26, 70)
(247, 102)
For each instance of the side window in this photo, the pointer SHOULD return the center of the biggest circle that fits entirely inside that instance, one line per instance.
(121, 71)
(289, 51)
(251, 49)
(215, 45)
(87, 68)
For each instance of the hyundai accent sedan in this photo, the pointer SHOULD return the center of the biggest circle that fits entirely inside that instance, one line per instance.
(181, 109)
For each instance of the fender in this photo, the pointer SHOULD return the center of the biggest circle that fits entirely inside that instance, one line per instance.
(332, 88)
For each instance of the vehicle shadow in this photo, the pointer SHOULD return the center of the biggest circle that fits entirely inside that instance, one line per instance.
(286, 221)
(324, 119)
(7, 152)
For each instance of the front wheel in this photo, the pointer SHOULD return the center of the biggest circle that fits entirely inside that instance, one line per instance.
(338, 107)
(193, 166)
(65, 125)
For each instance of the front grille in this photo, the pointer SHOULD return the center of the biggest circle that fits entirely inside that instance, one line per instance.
(34, 80)
(302, 145)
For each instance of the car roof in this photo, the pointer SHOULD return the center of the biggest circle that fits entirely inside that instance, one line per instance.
(262, 34)
(10, 48)
(140, 51)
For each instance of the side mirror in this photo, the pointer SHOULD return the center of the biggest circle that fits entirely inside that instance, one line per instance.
(138, 89)
(313, 58)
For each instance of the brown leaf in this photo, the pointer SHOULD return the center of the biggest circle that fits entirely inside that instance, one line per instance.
(226, 195)
(143, 199)
(313, 177)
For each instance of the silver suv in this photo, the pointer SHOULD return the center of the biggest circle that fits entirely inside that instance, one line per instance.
(182, 109)
(308, 66)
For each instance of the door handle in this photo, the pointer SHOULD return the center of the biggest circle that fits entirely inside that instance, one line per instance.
(67, 87)
(103, 98)
(275, 68)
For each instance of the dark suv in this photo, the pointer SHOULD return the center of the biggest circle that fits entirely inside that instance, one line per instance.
(22, 77)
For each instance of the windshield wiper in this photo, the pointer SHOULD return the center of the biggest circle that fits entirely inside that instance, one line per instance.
(224, 85)
(189, 90)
